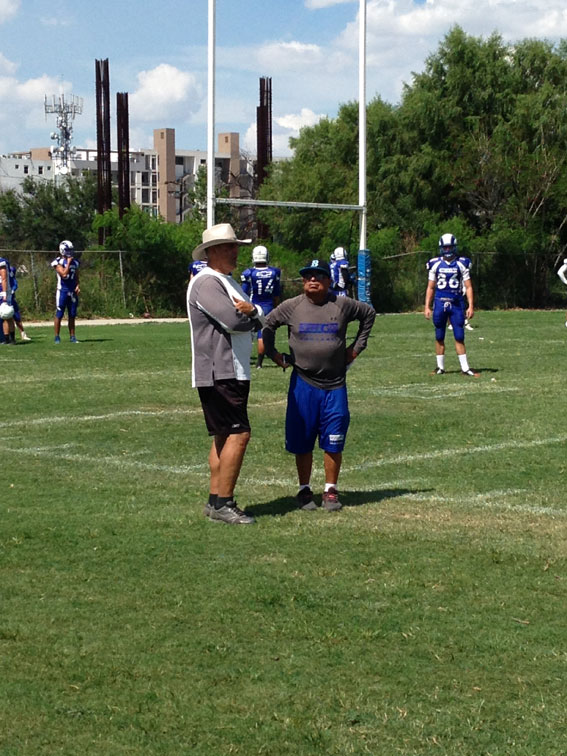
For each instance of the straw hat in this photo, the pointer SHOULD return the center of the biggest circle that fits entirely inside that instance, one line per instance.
(222, 233)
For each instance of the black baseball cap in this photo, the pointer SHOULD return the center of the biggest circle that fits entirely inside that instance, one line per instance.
(316, 266)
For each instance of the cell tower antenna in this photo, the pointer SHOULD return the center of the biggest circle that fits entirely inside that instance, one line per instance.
(65, 110)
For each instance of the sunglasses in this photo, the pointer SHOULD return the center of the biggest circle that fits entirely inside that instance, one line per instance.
(316, 276)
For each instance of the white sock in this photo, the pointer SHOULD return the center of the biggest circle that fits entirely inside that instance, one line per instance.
(441, 361)
(303, 485)
(328, 486)
(464, 362)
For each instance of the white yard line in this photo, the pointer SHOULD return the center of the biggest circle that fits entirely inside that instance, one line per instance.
(400, 459)
(58, 419)
(113, 461)
(487, 499)
(431, 393)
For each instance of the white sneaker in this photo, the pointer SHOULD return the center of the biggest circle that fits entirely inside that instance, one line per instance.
(25, 337)
(450, 327)
(469, 327)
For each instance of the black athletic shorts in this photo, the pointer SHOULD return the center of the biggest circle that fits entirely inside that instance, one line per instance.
(225, 406)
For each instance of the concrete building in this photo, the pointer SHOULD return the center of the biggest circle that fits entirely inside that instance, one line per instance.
(161, 178)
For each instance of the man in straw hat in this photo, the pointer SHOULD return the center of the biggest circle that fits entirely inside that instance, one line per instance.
(222, 320)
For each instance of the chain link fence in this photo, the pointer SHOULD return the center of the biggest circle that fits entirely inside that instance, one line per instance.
(113, 283)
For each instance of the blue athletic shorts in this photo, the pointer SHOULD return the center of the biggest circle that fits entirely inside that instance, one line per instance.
(266, 309)
(66, 300)
(16, 306)
(314, 412)
(445, 310)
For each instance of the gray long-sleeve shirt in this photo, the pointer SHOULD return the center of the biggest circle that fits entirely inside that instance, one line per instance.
(221, 337)
(317, 335)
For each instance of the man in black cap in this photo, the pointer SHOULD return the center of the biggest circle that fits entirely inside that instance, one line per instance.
(317, 403)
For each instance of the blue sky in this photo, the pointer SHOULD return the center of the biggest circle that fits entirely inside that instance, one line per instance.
(157, 53)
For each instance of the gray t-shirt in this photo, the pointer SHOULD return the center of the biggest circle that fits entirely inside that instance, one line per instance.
(317, 335)
(221, 337)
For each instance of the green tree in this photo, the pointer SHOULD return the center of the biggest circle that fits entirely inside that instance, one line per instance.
(158, 256)
(44, 213)
(478, 140)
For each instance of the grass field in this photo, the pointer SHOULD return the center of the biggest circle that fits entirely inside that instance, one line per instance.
(427, 617)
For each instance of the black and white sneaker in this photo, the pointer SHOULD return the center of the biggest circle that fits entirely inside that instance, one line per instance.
(305, 501)
(438, 371)
(470, 373)
(231, 514)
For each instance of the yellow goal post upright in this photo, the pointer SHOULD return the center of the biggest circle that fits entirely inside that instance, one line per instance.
(363, 258)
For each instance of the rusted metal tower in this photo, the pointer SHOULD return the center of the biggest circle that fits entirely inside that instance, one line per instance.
(264, 129)
(263, 139)
(103, 139)
(123, 135)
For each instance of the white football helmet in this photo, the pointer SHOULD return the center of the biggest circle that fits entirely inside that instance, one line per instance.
(6, 311)
(340, 253)
(448, 246)
(260, 254)
(66, 248)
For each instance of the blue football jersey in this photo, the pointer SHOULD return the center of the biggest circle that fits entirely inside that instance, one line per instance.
(196, 266)
(13, 280)
(69, 283)
(340, 275)
(261, 284)
(449, 277)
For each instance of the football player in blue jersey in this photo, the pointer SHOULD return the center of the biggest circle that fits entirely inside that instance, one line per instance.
(6, 308)
(448, 276)
(195, 267)
(341, 279)
(561, 273)
(468, 262)
(67, 297)
(262, 284)
(15, 305)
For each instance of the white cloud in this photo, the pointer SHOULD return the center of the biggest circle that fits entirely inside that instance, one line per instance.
(283, 128)
(22, 103)
(401, 34)
(8, 9)
(296, 121)
(7, 66)
(141, 139)
(289, 56)
(165, 92)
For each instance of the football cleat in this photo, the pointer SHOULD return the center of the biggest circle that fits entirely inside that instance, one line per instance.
(438, 371)
(57, 339)
(470, 373)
